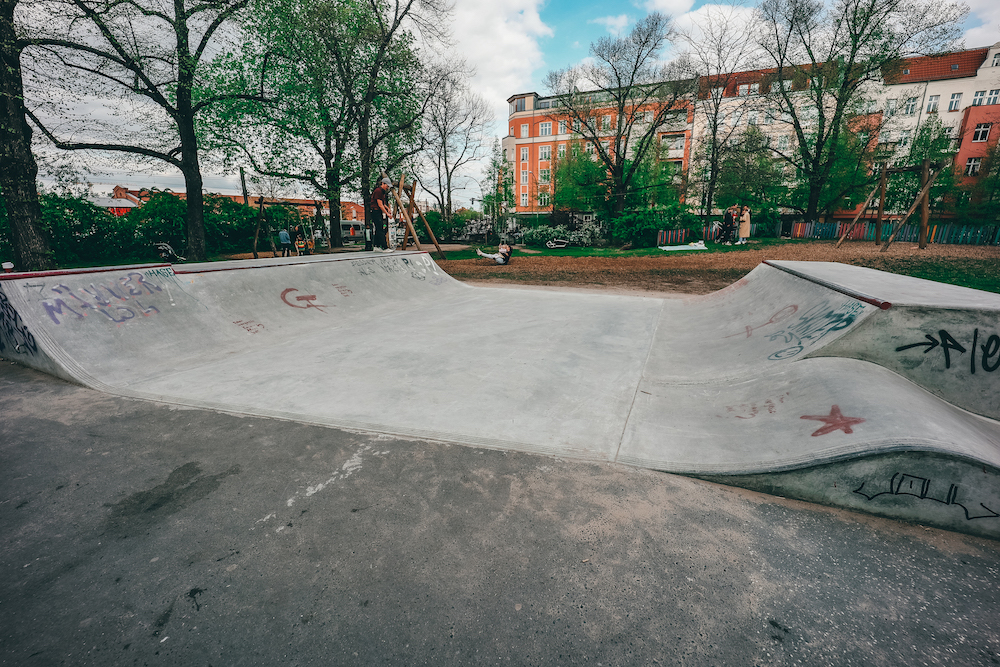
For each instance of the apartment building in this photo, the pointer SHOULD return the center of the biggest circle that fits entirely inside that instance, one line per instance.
(962, 89)
(539, 135)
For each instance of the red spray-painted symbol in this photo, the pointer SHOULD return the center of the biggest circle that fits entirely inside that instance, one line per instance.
(835, 421)
(306, 299)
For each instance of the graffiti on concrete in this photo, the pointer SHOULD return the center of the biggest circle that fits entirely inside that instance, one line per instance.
(14, 332)
(302, 300)
(902, 484)
(344, 290)
(249, 326)
(986, 357)
(782, 314)
(131, 286)
(835, 421)
(751, 410)
(813, 325)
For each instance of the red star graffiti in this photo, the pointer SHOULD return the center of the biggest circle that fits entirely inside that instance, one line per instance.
(835, 421)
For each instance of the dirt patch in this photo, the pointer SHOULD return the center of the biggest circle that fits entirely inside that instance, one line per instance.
(707, 271)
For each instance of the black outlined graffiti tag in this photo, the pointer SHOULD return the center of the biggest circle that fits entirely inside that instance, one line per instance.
(988, 352)
(13, 331)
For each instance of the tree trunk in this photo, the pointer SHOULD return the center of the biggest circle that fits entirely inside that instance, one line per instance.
(17, 164)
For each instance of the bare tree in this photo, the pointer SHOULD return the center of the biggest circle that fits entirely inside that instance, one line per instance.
(618, 102)
(721, 50)
(455, 136)
(826, 60)
(139, 60)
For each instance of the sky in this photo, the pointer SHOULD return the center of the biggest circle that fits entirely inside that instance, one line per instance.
(510, 45)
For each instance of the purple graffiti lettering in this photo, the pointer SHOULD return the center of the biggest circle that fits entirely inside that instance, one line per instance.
(130, 314)
(95, 295)
(147, 311)
(66, 291)
(56, 307)
(149, 287)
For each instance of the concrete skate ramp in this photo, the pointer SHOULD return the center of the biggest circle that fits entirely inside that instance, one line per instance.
(821, 381)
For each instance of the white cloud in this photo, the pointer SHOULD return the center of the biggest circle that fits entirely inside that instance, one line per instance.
(668, 7)
(499, 40)
(614, 24)
(986, 13)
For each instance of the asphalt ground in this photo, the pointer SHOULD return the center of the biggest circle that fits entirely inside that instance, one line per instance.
(137, 533)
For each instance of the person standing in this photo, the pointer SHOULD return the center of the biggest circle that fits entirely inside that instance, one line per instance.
(380, 213)
(744, 226)
(286, 243)
(728, 222)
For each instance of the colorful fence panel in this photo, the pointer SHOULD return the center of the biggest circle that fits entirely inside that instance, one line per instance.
(671, 237)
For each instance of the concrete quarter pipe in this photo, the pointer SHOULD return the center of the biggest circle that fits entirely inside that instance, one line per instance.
(820, 381)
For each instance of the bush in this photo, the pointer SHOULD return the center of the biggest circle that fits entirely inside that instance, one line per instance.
(640, 227)
(541, 235)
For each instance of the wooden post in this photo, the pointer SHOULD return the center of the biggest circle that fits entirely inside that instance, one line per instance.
(881, 203)
(913, 207)
(430, 232)
(260, 218)
(925, 204)
(857, 217)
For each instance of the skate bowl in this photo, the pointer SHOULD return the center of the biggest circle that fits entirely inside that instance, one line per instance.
(820, 381)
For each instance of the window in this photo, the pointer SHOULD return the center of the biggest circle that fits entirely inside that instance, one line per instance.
(862, 139)
(606, 145)
(524, 177)
(977, 98)
(561, 151)
(576, 124)
(885, 137)
(545, 176)
(748, 89)
(767, 118)
(517, 105)
(545, 152)
(954, 68)
(562, 127)
(524, 154)
(605, 122)
(648, 116)
(512, 130)
(982, 132)
(752, 118)
(932, 103)
(993, 96)
(588, 147)
(783, 143)
(911, 106)
(543, 198)
(524, 199)
(955, 102)
(905, 72)
(890, 107)
(545, 129)
(972, 166)
(996, 59)
(673, 142)
(904, 138)
(524, 131)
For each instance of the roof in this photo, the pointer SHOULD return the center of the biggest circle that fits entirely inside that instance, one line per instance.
(956, 65)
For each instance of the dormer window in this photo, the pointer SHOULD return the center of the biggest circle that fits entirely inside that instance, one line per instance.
(906, 71)
(996, 59)
(954, 68)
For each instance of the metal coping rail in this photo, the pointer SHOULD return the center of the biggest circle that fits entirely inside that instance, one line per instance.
(860, 296)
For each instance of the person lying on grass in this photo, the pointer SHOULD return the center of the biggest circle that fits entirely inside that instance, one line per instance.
(502, 255)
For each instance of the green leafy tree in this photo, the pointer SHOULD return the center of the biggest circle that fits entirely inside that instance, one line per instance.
(620, 100)
(932, 140)
(750, 175)
(145, 61)
(980, 200)
(826, 57)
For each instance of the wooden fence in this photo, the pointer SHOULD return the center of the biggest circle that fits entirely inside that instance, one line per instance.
(863, 231)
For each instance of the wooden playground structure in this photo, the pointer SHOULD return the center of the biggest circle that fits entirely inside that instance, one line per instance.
(928, 174)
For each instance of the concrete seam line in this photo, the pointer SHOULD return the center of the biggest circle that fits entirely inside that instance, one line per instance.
(642, 375)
